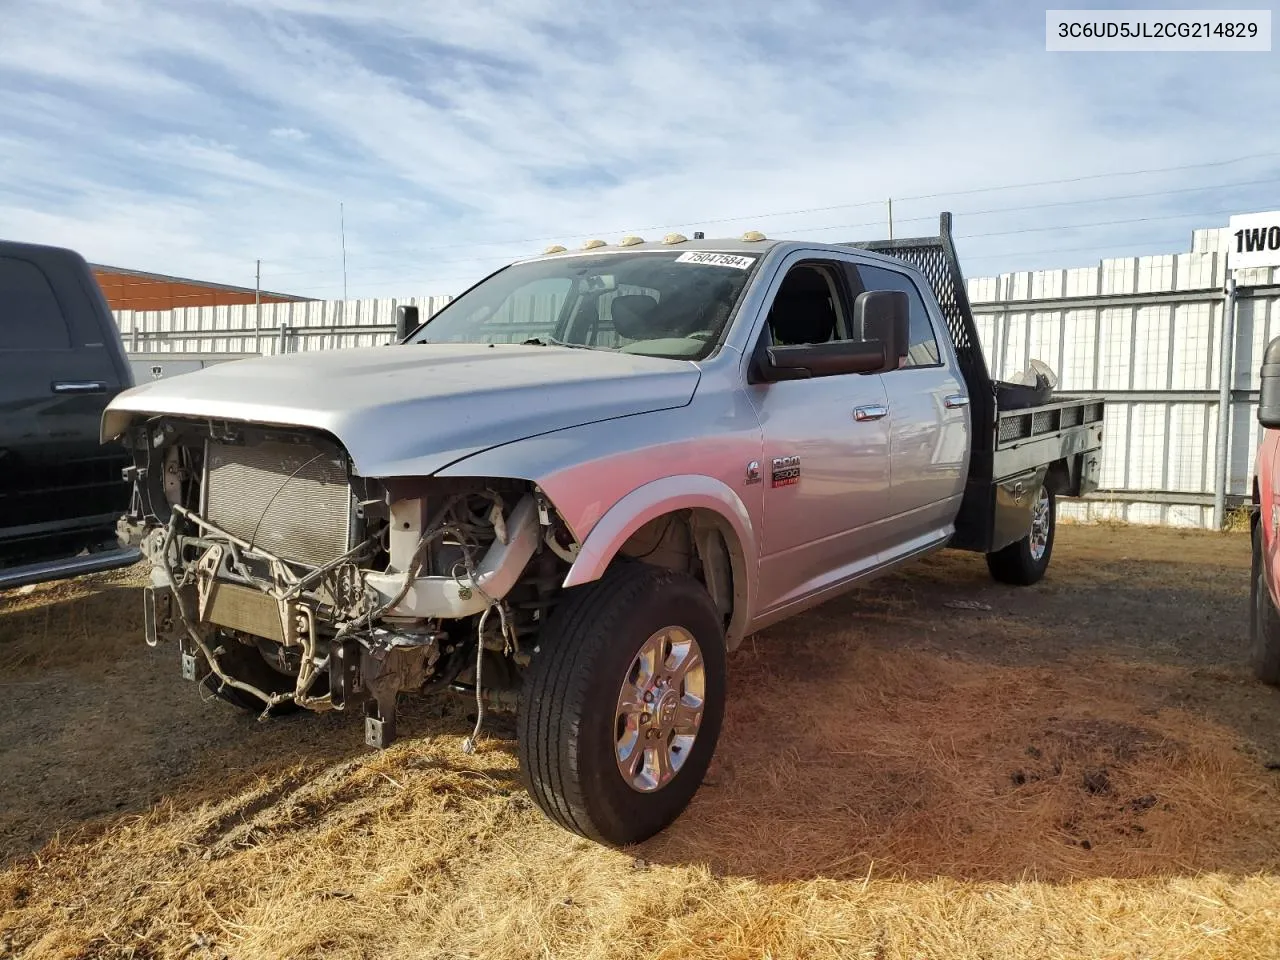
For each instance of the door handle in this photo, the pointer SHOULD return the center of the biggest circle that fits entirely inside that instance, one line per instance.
(79, 386)
(875, 411)
(955, 400)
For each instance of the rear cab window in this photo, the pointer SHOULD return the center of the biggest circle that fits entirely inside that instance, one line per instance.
(922, 348)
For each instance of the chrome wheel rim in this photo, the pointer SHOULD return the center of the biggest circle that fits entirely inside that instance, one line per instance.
(659, 711)
(1040, 526)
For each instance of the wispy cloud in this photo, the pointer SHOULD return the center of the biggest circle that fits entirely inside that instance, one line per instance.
(199, 138)
(292, 134)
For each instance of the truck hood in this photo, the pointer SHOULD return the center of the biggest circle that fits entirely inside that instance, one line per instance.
(413, 409)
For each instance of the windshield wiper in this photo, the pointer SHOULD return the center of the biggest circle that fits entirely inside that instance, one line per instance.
(532, 341)
(550, 341)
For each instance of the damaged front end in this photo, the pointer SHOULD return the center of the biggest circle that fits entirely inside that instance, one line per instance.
(289, 581)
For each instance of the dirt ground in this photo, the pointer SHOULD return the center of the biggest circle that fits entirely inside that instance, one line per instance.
(933, 766)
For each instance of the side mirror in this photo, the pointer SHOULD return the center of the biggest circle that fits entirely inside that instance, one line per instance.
(406, 320)
(1269, 389)
(806, 360)
(884, 315)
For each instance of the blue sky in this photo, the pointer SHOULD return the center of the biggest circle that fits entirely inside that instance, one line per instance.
(197, 137)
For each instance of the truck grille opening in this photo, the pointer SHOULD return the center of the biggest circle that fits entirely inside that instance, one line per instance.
(292, 500)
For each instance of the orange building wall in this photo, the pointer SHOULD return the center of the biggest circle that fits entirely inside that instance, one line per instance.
(128, 292)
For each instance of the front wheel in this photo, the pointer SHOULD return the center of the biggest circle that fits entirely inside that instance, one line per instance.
(1025, 561)
(622, 706)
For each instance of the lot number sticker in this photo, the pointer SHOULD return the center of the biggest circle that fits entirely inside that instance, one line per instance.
(717, 260)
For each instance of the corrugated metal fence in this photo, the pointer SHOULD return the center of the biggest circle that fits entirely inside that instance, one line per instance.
(269, 328)
(1144, 332)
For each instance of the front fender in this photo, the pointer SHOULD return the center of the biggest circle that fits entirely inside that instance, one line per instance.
(665, 495)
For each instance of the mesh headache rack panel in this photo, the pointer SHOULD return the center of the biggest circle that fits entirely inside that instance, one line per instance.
(935, 257)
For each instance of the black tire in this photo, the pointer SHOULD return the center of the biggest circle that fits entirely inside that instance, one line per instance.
(1264, 620)
(247, 664)
(568, 712)
(1017, 563)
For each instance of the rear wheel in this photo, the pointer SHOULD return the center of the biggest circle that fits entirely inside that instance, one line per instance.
(622, 706)
(1024, 562)
(1264, 620)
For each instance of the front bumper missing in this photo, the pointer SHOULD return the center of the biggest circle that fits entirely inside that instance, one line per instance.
(368, 671)
(465, 593)
(367, 659)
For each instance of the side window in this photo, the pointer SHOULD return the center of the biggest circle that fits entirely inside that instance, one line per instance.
(922, 351)
(808, 307)
(30, 318)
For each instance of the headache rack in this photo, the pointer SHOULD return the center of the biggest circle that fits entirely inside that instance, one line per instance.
(1013, 448)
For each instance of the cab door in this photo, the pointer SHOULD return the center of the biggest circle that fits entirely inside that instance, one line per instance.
(59, 487)
(825, 471)
(928, 422)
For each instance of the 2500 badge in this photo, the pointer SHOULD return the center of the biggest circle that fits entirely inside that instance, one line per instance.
(786, 471)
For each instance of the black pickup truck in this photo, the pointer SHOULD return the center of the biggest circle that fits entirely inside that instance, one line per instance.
(61, 362)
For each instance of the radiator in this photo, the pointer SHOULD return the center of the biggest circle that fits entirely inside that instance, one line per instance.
(292, 500)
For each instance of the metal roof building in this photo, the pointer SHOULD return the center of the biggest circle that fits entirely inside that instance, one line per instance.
(138, 290)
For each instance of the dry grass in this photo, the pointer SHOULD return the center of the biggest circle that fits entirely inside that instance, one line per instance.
(81, 623)
(1237, 520)
(889, 785)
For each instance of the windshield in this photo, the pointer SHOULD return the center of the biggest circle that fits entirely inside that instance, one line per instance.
(663, 304)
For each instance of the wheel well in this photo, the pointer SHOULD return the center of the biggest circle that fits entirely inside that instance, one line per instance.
(702, 544)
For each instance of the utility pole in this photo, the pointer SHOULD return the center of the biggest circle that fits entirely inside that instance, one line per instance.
(1222, 462)
(342, 227)
(257, 297)
(891, 218)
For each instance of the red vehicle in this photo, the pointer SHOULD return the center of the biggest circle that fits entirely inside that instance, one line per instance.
(1264, 585)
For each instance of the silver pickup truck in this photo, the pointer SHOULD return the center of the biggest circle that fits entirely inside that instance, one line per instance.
(574, 489)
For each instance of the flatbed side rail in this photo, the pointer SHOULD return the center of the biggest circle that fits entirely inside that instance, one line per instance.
(1016, 426)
